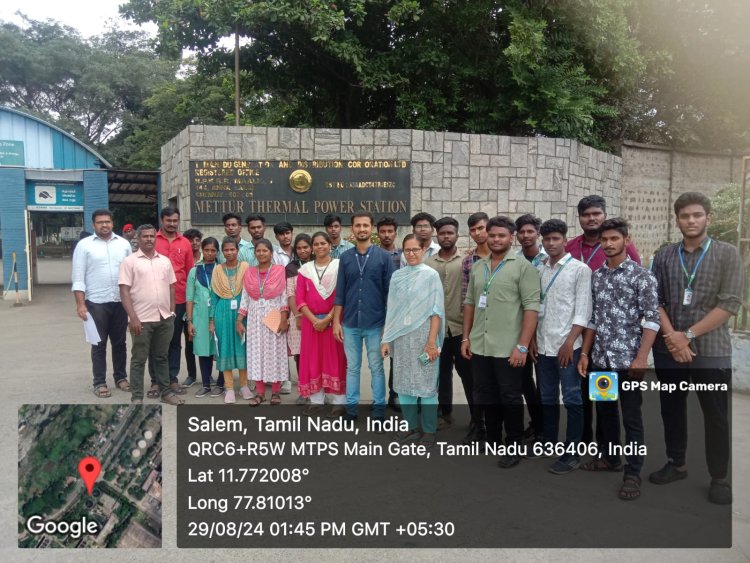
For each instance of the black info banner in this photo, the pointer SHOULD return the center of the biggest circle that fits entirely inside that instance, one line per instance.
(302, 192)
(271, 477)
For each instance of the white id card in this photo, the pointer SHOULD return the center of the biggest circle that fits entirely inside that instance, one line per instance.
(687, 297)
(233, 305)
(542, 307)
(482, 301)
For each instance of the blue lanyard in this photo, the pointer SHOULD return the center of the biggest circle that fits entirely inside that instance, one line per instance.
(691, 277)
(546, 291)
(361, 266)
(261, 286)
(596, 249)
(487, 272)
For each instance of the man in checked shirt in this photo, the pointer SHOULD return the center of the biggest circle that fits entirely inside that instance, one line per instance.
(701, 284)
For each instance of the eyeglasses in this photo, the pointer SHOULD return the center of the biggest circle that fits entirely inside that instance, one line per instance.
(426, 227)
(412, 250)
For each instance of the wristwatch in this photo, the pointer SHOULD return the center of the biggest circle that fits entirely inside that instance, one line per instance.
(522, 349)
(689, 334)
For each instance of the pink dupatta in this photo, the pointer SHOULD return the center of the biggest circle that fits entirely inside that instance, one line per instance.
(273, 282)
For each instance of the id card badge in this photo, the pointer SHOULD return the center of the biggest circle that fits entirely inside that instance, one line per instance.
(482, 301)
(687, 297)
(208, 302)
(233, 305)
(542, 308)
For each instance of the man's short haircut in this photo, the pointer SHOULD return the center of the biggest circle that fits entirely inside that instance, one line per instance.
(363, 214)
(615, 224)
(474, 218)
(502, 221)
(528, 219)
(692, 198)
(282, 227)
(100, 213)
(387, 222)
(144, 227)
(330, 219)
(192, 233)
(228, 216)
(255, 218)
(168, 212)
(554, 226)
(422, 217)
(592, 201)
(440, 223)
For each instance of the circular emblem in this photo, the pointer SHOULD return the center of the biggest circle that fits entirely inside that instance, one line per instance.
(300, 181)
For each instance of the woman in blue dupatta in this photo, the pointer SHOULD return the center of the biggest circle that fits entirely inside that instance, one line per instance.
(414, 327)
(198, 305)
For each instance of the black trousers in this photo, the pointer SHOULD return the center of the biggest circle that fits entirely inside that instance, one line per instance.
(189, 356)
(175, 346)
(714, 405)
(450, 356)
(533, 398)
(498, 392)
(112, 324)
(588, 435)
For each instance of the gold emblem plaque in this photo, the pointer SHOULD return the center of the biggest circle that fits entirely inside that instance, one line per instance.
(300, 181)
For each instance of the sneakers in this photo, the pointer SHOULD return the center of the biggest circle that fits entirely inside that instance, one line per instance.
(203, 392)
(246, 393)
(508, 461)
(217, 391)
(188, 381)
(445, 421)
(286, 387)
(564, 465)
(229, 397)
(667, 474)
(720, 492)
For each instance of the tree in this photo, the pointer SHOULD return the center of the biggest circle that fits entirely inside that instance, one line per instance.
(520, 67)
(90, 88)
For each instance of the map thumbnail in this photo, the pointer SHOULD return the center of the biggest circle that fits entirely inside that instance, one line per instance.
(125, 504)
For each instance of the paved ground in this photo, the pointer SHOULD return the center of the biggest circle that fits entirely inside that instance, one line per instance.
(46, 361)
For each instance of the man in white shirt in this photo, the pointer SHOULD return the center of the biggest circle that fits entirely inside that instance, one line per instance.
(564, 314)
(284, 233)
(96, 266)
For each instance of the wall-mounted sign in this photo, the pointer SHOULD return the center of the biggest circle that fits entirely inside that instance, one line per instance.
(51, 197)
(302, 192)
(11, 153)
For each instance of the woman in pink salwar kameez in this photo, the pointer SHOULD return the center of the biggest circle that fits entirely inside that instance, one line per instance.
(322, 361)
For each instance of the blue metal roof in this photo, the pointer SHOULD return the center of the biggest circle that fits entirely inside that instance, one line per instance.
(46, 145)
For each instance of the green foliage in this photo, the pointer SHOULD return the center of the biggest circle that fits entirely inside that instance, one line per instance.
(725, 214)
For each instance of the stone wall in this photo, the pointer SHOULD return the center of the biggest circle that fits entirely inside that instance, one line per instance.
(653, 177)
(452, 174)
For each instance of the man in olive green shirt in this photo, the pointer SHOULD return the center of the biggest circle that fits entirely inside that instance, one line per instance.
(500, 316)
(447, 263)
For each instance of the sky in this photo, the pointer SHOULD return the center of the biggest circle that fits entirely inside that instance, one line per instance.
(89, 17)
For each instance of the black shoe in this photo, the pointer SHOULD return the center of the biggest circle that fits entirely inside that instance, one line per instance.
(720, 492)
(508, 461)
(378, 424)
(529, 433)
(393, 403)
(667, 474)
(350, 417)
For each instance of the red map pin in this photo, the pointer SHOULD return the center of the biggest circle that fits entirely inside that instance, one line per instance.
(89, 468)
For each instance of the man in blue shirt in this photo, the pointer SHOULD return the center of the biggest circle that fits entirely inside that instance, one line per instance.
(362, 293)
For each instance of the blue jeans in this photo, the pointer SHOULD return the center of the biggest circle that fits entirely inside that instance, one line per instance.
(551, 377)
(353, 338)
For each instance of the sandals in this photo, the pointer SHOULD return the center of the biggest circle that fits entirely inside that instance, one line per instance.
(154, 392)
(172, 399)
(600, 464)
(275, 399)
(631, 488)
(256, 401)
(407, 436)
(123, 385)
(428, 441)
(102, 392)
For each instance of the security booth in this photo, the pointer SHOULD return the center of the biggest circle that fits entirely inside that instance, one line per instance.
(47, 177)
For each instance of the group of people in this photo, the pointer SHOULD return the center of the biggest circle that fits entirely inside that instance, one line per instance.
(525, 326)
